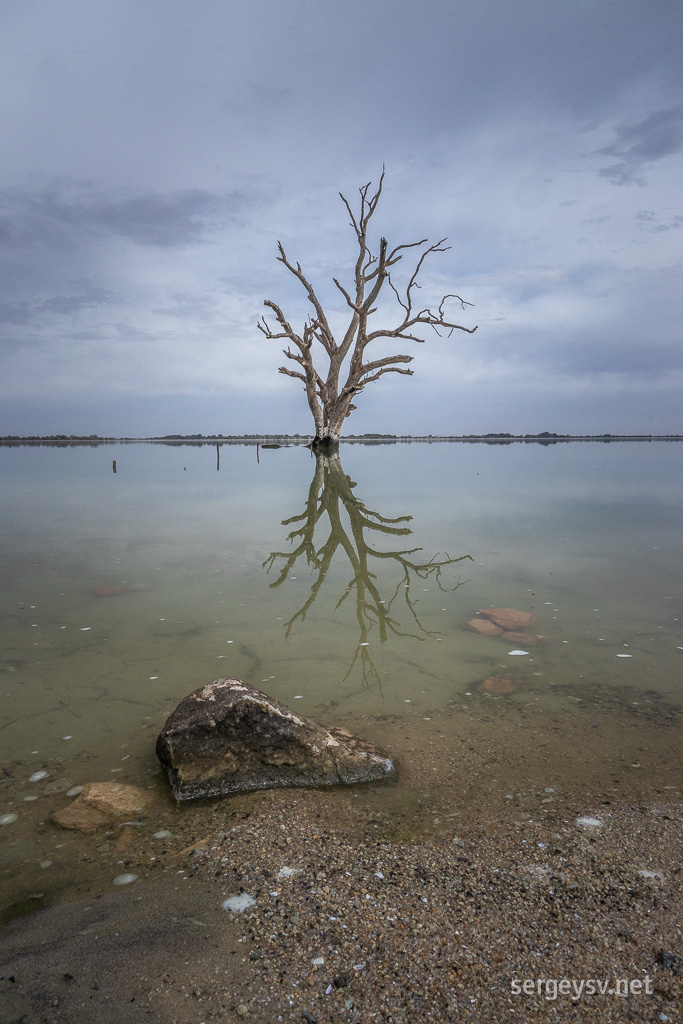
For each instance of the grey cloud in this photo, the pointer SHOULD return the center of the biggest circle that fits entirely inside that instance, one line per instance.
(189, 304)
(181, 218)
(15, 312)
(638, 144)
(647, 359)
(627, 347)
(640, 357)
(62, 213)
(84, 295)
(88, 296)
(647, 222)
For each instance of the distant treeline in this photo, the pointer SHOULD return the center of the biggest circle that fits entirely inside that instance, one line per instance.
(545, 437)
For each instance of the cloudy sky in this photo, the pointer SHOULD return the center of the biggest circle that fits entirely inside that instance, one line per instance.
(154, 151)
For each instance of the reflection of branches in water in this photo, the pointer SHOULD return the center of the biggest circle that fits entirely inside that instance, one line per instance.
(330, 492)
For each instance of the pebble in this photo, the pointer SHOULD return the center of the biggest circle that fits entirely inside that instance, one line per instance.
(37, 776)
(7, 819)
(124, 879)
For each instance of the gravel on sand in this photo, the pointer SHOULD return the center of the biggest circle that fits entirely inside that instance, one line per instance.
(534, 878)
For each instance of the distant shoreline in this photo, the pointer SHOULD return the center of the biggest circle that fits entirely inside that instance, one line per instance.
(303, 440)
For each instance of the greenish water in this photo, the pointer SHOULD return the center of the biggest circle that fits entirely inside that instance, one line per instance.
(342, 589)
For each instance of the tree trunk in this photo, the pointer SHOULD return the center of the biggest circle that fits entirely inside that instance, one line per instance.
(329, 431)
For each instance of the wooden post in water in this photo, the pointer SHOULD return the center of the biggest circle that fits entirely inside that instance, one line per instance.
(113, 466)
(218, 456)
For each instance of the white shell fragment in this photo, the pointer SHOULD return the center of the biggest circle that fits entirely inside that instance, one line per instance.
(7, 819)
(124, 879)
(591, 822)
(238, 904)
(517, 652)
(37, 776)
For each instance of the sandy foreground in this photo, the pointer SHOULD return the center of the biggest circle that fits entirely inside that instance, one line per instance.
(534, 876)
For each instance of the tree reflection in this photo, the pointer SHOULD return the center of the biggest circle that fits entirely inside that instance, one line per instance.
(324, 529)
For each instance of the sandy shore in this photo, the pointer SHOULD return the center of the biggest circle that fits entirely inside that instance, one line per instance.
(470, 891)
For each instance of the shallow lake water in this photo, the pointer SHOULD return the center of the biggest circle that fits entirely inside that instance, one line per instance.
(342, 587)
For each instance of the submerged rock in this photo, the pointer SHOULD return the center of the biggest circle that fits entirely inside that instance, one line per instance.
(484, 627)
(497, 684)
(117, 590)
(100, 803)
(508, 618)
(528, 639)
(228, 737)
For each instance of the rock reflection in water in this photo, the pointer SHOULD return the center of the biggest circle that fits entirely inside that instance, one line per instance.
(323, 530)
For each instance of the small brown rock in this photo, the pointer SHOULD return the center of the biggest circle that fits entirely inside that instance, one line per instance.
(99, 803)
(484, 627)
(526, 639)
(497, 684)
(508, 618)
(80, 817)
(124, 840)
(116, 799)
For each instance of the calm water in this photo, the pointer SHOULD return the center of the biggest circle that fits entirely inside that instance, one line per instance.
(342, 589)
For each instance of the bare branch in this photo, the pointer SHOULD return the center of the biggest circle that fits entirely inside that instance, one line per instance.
(292, 373)
(346, 295)
(294, 356)
(453, 296)
(387, 369)
(326, 334)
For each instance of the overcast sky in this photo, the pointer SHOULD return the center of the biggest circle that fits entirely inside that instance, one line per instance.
(154, 151)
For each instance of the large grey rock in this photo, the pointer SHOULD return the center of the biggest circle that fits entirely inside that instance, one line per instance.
(229, 737)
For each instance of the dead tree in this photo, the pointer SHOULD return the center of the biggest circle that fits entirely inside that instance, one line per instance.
(331, 394)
